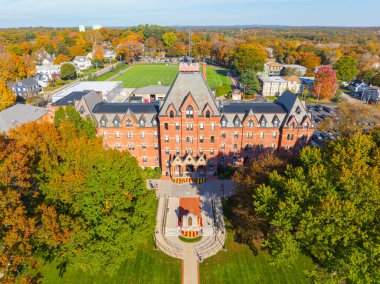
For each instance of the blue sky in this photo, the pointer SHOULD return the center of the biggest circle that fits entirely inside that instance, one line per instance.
(70, 13)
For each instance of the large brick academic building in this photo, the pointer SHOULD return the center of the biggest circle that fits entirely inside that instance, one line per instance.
(191, 132)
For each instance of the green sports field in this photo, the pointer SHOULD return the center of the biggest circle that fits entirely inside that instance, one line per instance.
(150, 74)
(147, 75)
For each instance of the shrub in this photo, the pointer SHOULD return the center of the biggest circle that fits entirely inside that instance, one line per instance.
(68, 71)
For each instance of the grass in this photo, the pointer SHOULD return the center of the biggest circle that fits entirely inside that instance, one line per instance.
(149, 266)
(216, 76)
(271, 98)
(190, 240)
(111, 73)
(145, 75)
(239, 264)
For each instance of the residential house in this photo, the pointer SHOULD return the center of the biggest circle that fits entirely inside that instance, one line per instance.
(50, 70)
(19, 114)
(28, 87)
(357, 86)
(48, 61)
(82, 62)
(294, 84)
(42, 79)
(273, 67)
(371, 95)
(109, 54)
(272, 86)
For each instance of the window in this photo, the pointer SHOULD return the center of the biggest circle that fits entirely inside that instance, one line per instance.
(212, 139)
(250, 123)
(247, 147)
(155, 134)
(145, 160)
(118, 146)
(166, 151)
(276, 122)
(167, 164)
(263, 122)
(222, 160)
(273, 146)
(171, 114)
(131, 147)
(200, 151)
(298, 110)
(224, 135)
(208, 114)
(223, 147)
(201, 139)
(304, 137)
(237, 122)
(176, 126)
(212, 152)
(177, 152)
(166, 126)
(292, 125)
(154, 122)
(201, 126)
(306, 125)
(249, 135)
(104, 134)
(142, 135)
(155, 146)
(189, 140)
(213, 126)
(143, 146)
(189, 112)
(81, 110)
(224, 123)
(189, 126)
(211, 165)
(156, 160)
(235, 146)
(177, 139)
(128, 123)
(116, 122)
(290, 137)
(274, 135)
(129, 135)
(261, 135)
(117, 134)
(142, 123)
(236, 135)
(166, 139)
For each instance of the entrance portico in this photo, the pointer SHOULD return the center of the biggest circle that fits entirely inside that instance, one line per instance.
(188, 166)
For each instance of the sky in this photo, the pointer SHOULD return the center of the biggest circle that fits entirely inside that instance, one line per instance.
(72, 13)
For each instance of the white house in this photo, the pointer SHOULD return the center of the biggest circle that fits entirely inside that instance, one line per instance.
(357, 86)
(294, 84)
(273, 86)
(49, 70)
(109, 54)
(371, 95)
(82, 62)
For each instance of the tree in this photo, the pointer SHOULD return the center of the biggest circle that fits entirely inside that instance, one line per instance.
(328, 207)
(325, 84)
(376, 80)
(250, 82)
(98, 53)
(310, 60)
(346, 68)
(366, 76)
(61, 58)
(97, 63)
(68, 71)
(169, 39)
(249, 57)
(7, 97)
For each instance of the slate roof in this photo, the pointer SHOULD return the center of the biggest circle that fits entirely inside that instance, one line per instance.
(287, 100)
(18, 115)
(71, 98)
(80, 58)
(27, 82)
(194, 84)
(255, 107)
(104, 107)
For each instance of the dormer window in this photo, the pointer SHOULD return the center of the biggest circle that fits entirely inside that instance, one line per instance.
(142, 123)
(224, 122)
(250, 123)
(116, 122)
(237, 122)
(276, 122)
(81, 110)
(263, 122)
(154, 122)
(298, 110)
(189, 112)
(292, 125)
(208, 114)
(171, 114)
(103, 122)
(128, 123)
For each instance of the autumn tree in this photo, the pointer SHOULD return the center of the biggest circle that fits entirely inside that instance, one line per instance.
(327, 206)
(325, 84)
(61, 59)
(169, 39)
(68, 71)
(14, 68)
(7, 97)
(98, 53)
(249, 57)
(346, 68)
(310, 60)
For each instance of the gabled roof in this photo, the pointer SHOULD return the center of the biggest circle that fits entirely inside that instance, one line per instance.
(184, 84)
(18, 115)
(152, 90)
(27, 82)
(287, 100)
(70, 99)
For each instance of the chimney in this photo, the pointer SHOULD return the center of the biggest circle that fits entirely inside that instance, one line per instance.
(204, 70)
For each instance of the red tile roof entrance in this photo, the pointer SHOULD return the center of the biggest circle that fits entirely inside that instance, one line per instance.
(190, 205)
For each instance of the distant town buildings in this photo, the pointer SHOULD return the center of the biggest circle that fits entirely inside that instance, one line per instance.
(96, 27)
(82, 28)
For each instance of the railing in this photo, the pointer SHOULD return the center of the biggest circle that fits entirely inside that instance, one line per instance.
(168, 250)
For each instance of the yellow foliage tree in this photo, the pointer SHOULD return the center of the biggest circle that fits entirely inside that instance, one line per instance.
(7, 97)
(61, 58)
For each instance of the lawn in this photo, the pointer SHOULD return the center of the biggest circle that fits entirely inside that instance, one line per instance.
(150, 266)
(216, 77)
(146, 75)
(238, 264)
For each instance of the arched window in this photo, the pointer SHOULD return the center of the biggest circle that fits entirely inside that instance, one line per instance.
(171, 114)
(208, 114)
(224, 122)
(276, 121)
(116, 122)
(189, 112)
(142, 123)
(292, 125)
(263, 122)
(212, 139)
(128, 123)
(250, 123)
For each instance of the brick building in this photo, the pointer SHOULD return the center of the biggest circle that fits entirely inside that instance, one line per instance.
(190, 132)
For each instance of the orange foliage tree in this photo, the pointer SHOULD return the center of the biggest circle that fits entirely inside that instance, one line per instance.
(326, 83)
(61, 58)
(7, 97)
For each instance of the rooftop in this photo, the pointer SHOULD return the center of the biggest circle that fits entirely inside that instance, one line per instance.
(189, 205)
(71, 98)
(273, 79)
(152, 90)
(18, 115)
(104, 107)
(243, 107)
